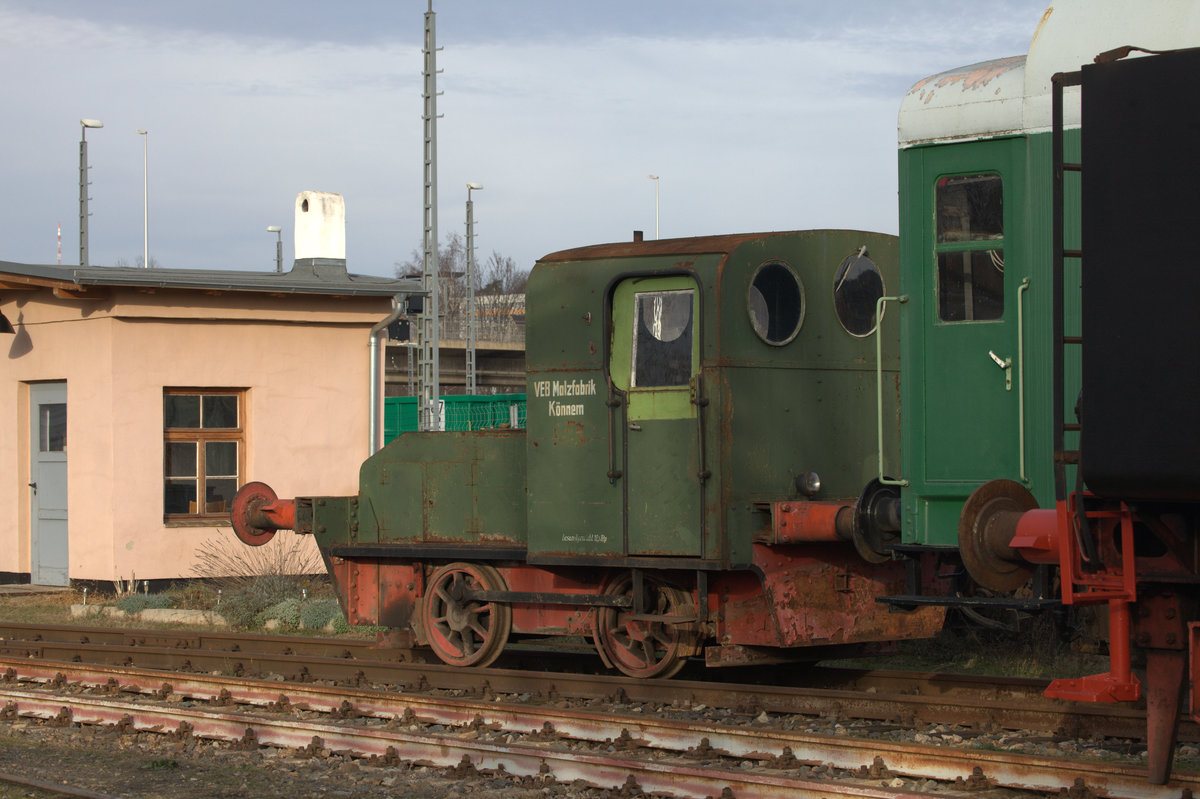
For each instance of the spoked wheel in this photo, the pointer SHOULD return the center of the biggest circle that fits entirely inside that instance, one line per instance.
(464, 631)
(647, 647)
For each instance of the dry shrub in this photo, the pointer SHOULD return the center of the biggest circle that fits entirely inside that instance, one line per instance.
(227, 562)
(252, 579)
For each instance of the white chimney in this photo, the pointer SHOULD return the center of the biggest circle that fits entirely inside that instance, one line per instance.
(320, 225)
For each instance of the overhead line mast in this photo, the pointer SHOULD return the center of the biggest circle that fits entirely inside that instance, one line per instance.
(428, 345)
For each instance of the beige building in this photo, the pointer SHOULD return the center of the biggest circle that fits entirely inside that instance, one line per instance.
(135, 402)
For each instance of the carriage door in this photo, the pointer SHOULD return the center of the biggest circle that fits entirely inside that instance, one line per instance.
(971, 359)
(48, 483)
(655, 361)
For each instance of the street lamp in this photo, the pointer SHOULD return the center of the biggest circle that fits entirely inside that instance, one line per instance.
(83, 184)
(655, 179)
(145, 134)
(278, 231)
(470, 350)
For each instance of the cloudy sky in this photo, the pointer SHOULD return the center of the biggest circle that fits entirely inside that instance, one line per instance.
(757, 115)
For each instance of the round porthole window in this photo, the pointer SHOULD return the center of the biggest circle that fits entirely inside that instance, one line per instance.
(776, 303)
(857, 286)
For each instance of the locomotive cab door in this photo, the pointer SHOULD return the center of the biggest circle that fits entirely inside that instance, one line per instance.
(655, 361)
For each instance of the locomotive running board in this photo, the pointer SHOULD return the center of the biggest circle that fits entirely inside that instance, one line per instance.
(427, 551)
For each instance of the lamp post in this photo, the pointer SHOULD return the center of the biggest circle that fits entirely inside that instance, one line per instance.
(278, 231)
(655, 179)
(470, 350)
(145, 134)
(83, 184)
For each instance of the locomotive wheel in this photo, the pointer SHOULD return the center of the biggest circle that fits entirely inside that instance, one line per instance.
(464, 631)
(646, 647)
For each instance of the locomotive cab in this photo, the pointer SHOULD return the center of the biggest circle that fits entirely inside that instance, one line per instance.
(677, 388)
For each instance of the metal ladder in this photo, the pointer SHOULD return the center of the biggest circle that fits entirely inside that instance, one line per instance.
(1085, 580)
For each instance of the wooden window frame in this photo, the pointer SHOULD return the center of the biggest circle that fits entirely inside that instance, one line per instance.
(201, 436)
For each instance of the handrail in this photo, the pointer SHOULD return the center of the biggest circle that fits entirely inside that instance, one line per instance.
(1021, 373)
(879, 303)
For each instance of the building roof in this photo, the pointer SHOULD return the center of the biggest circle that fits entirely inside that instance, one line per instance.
(307, 276)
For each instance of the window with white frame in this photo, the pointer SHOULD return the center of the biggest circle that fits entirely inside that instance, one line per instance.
(203, 451)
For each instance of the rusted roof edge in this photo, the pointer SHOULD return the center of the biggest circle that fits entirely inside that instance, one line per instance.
(697, 245)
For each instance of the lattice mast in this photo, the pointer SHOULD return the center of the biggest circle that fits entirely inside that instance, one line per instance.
(429, 363)
(470, 349)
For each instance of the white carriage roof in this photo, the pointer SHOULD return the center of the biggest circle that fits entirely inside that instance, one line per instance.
(1012, 95)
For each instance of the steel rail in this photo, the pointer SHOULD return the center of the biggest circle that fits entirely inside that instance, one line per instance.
(52, 787)
(745, 742)
(672, 778)
(981, 711)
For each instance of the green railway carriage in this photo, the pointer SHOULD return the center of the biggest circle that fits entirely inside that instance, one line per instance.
(976, 214)
(976, 321)
(1048, 342)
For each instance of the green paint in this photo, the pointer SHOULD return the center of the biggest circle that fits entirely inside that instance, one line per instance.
(607, 468)
(962, 424)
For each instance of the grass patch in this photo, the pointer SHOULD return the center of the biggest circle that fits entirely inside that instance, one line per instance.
(320, 612)
(135, 603)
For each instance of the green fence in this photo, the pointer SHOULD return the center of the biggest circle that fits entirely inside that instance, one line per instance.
(462, 412)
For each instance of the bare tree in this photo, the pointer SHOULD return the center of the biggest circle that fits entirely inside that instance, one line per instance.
(138, 262)
(501, 275)
(499, 286)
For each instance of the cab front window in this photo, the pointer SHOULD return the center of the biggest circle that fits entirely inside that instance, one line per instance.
(662, 339)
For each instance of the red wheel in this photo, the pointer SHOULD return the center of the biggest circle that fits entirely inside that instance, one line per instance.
(647, 647)
(463, 631)
(246, 503)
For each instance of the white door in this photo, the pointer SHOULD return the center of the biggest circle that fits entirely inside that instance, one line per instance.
(48, 483)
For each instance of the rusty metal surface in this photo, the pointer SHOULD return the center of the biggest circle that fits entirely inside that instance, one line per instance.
(985, 530)
(698, 245)
(817, 594)
(798, 521)
(13, 634)
(971, 78)
(966, 102)
(252, 525)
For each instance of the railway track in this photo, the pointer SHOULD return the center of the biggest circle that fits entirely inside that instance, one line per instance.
(581, 727)
(880, 696)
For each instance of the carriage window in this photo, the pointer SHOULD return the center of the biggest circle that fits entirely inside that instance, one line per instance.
(776, 303)
(857, 287)
(662, 338)
(970, 248)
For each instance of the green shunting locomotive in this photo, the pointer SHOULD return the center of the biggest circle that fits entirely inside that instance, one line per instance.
(703, 416)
